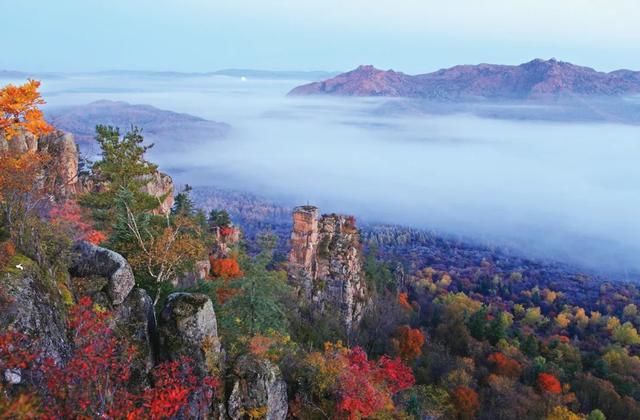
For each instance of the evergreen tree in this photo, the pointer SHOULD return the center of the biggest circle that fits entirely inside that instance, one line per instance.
(122, 166)
(183, 206)
(478, 324)
(219, 218)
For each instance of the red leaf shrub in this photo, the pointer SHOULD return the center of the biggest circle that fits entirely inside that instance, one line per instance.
(70, 216)
(549, 383)
(503, 365)
(94, 383)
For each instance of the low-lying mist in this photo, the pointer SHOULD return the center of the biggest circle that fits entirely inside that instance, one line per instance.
(569, 191)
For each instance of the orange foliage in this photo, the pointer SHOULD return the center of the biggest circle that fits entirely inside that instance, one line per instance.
(19, 174)
(19, 110)
(7, 250)
(226, 268)
(259, 345)
(403, 300)
(504, 366)
(549, 383)
(466, 401)
(223, 294)
(410, 342)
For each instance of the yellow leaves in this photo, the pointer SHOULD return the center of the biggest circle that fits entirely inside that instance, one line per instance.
(562, 413)
(257, 413)
(19, 110)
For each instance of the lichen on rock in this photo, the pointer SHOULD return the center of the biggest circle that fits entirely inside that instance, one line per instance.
(187, 327)
(258, 390)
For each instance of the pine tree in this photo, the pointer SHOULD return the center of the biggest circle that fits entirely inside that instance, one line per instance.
(122, 166)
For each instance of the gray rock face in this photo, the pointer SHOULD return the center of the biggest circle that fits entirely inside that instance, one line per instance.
(258, 387)
(35, 308)
(136, 318)
(91, 260)
(188, 327)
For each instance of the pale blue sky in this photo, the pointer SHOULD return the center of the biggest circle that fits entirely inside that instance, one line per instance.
(409, 35)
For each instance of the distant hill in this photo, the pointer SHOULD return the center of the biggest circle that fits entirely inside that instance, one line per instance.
(156, 123)
(10, 74)
(533, 80)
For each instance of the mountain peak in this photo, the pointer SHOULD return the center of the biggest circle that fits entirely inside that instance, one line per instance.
(534, 79)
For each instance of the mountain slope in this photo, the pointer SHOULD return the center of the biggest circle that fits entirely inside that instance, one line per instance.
(157, 123)
(535, 79)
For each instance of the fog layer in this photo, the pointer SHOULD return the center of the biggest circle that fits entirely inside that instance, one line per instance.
(568, 191)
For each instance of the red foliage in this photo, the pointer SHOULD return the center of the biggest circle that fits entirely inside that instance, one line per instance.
(466, 401)
(70, 215)
(549, 383)
(226, 268)
(410, 342)
(173, 383)
(94, 383)
(227, 231)
(366, 387)
(95, 380)
(504, 366)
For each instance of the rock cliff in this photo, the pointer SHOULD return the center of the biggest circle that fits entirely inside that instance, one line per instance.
(62, 149)
(64, 163)
(325, 263)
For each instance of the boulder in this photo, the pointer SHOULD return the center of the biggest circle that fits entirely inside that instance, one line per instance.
(136, 321)
(188, 328)
(91, 260)
(258, 390)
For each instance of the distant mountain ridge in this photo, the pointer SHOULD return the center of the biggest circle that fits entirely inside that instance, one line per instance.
(81, 121)
(532, 80)
(311, 75)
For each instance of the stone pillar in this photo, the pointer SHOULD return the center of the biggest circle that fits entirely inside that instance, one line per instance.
(304, 242)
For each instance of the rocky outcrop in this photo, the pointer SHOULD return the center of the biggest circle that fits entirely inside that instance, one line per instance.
(107, 278)
(535, 79)
(258, 390)
(90, 261)
(160, 185)
(32, 304)
(325, 262)
(200, 272)
(188, 328)
(64, 157)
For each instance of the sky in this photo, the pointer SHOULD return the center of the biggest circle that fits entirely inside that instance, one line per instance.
(413, 36)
